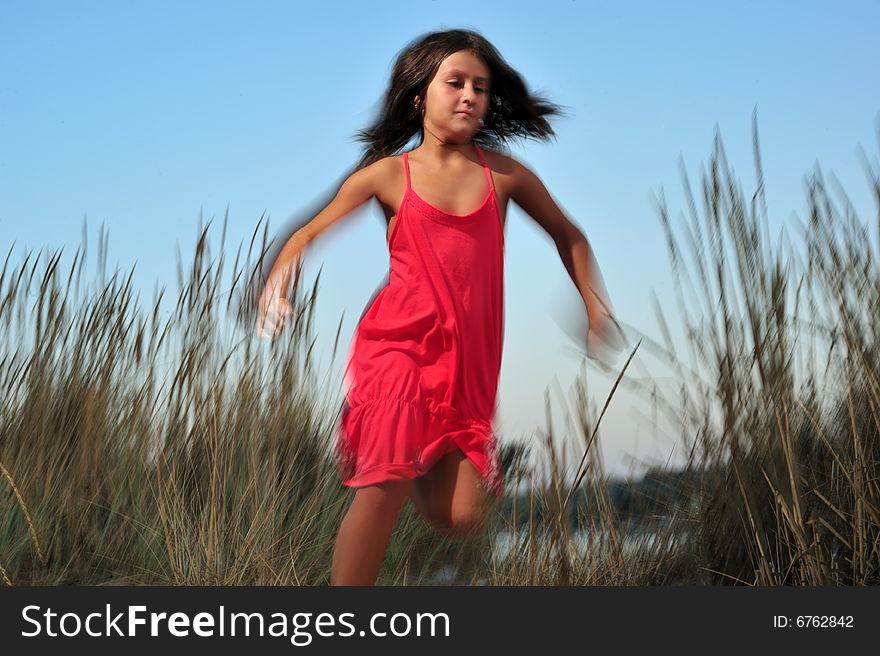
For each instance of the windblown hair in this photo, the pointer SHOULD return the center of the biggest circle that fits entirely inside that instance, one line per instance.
(513, 110)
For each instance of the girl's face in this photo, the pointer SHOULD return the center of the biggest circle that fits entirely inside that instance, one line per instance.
(457, 97)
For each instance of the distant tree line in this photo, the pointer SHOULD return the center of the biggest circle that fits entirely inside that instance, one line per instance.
(658, 496)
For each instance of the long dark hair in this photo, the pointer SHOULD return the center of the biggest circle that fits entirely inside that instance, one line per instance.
(513, 110)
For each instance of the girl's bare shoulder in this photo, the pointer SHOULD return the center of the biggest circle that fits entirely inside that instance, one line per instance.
(390, 181)
(506, 171)
(389, 168)
(499, 160)
(377, 178)
(380, 171)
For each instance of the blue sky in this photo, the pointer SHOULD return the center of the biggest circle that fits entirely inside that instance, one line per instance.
(144, 115)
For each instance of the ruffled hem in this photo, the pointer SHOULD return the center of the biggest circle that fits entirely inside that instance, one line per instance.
(407, 438)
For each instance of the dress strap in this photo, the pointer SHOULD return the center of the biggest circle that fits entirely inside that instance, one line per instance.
(486, 169)
(406, 169)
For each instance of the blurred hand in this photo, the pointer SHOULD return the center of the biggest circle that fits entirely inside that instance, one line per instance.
(605, 340)
(274, 309)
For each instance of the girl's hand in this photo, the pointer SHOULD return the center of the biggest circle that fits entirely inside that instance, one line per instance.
(605, 340)
(274, 309)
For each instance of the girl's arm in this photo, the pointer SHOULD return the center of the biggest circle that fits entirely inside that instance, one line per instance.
(574, 250)
(357, 189)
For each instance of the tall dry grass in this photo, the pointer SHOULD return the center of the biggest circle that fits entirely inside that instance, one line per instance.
(140, 449)
(780, 393)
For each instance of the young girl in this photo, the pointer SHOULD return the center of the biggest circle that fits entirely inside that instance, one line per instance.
(423, 368)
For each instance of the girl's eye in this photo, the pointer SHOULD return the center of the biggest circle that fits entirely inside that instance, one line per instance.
(477, 89)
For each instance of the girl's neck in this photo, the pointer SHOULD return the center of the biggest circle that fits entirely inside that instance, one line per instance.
(434, 150)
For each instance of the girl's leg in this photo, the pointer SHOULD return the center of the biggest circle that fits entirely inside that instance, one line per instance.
(365, 533)
(451, 497)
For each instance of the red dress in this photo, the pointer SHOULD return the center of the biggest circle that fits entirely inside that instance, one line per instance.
(422, 371)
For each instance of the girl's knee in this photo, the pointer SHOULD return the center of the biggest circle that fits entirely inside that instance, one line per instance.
(462, 523)
(465, 529)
